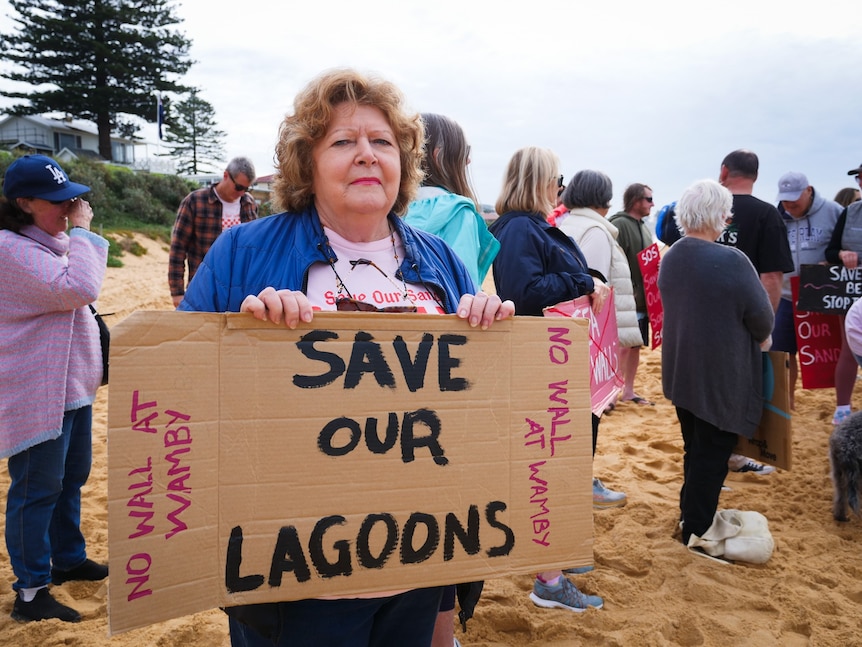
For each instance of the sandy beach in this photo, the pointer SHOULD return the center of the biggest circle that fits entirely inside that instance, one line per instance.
(655, 591)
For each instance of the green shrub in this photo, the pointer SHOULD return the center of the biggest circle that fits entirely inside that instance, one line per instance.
(114, 252)
(125, 198)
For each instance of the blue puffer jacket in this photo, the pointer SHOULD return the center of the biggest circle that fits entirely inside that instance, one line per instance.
(278, 251)
(538, 265)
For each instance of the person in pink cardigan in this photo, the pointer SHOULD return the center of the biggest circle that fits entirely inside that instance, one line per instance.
(50, 369)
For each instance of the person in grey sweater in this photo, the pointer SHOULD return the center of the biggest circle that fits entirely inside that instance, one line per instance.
(810, 219)
(717, 317)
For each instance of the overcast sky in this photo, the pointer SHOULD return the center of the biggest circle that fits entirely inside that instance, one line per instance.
(654, 92)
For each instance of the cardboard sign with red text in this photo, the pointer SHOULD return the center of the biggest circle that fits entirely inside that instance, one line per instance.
(360, 452)
(818, 343)
(605, 373)
(649, 261)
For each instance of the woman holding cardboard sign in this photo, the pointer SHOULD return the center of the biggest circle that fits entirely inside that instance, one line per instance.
(717, 316)
(539, 266)
(349, 164)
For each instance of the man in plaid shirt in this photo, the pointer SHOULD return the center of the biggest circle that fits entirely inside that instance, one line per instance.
(203, 215)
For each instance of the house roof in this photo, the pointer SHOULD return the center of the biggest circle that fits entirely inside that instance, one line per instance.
(65, 125)
(79, 153)
(25, 145)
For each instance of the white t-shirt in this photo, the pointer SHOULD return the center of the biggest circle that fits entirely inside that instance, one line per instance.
(229, 213)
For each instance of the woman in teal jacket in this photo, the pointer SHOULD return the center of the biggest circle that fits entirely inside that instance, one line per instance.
(446, 204)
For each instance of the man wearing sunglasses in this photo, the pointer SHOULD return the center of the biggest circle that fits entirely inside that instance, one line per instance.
(203, 215)
(634, 237)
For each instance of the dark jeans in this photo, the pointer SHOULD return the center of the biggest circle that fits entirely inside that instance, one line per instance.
(707, 450)
(405, 620)
(43, 508)
(784, 330)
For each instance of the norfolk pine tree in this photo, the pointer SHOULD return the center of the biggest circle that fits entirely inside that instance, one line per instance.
(196, 143)
(94, 59)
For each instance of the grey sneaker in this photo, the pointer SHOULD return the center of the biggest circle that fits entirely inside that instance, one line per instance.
(605, 498)
(579, 570)
(564, 596)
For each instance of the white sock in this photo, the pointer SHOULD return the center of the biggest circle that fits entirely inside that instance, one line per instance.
(27, 595)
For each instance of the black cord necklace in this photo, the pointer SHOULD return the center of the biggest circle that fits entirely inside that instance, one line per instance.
(342, 287)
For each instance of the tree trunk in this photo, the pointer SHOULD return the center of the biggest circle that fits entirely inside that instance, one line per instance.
(103, 122)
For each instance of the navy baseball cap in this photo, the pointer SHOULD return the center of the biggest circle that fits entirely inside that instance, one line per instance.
(38, 176)
(855, 171)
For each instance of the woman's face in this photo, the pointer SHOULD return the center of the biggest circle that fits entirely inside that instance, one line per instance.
(50, 217)
(357, 165)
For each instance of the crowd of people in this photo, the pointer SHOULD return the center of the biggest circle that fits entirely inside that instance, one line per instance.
(377, 200)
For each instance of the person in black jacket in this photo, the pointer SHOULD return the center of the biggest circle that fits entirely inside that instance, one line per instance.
(539, 266)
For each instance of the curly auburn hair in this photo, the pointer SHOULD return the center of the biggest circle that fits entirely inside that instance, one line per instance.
(313, 111)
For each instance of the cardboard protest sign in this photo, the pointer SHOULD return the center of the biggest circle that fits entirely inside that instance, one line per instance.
(830, 289)
(358, 453)
(773, 441)
(605, 376)
(818, 343)
(649, 261)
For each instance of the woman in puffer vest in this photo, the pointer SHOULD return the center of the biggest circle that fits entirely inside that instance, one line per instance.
(588, 199)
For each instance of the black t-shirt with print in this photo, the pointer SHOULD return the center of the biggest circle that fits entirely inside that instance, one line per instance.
(758, 231)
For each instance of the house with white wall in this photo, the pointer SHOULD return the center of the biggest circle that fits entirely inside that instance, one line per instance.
(62, 139)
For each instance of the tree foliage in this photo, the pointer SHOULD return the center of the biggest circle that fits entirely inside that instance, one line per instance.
(94, 59)
(196, 142)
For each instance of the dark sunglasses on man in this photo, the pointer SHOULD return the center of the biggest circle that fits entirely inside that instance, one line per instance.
(239, 187)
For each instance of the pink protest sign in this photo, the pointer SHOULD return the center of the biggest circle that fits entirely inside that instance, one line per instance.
(649, 260)
(605, 376)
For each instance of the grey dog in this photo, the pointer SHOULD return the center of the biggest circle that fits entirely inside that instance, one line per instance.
(845, 455)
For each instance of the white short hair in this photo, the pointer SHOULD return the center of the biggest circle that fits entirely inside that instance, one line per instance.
(704, 207)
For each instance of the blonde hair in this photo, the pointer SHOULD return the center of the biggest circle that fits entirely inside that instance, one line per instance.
(525, 184)
(313, 111)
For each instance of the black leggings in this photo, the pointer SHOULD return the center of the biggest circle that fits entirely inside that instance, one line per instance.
(707, 450)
